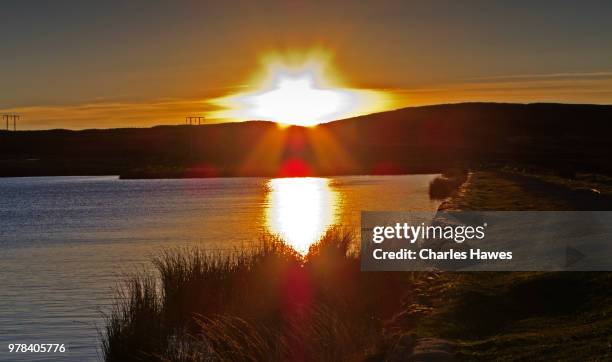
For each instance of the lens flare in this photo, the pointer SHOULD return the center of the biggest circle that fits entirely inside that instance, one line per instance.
(301, 92)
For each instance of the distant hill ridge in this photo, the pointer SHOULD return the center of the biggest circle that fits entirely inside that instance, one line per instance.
(415, 139)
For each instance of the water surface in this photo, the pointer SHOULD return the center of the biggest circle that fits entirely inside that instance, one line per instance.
(66, 241)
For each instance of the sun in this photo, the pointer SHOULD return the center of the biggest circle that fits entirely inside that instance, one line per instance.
(303, 93)
(297, 99)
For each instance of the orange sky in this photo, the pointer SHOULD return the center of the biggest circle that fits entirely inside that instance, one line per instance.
(83, 65)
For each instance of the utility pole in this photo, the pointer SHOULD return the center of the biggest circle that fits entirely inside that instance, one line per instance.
(192, 120)
(11, 117)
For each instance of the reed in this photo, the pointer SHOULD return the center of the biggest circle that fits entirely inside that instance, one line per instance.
(266, 303)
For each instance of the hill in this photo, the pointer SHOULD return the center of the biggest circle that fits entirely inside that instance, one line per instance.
(409, 140)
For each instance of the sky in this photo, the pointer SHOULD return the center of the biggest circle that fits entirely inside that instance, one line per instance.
(81, 64)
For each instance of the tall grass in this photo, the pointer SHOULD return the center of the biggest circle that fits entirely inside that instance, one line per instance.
(269, 303)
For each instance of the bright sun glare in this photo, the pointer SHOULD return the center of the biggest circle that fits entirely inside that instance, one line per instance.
(298, 100)
(302, 93)
(300, 210)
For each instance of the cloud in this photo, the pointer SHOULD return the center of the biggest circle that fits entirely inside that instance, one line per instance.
(527, 88)
(603, 74)
(109, 114)
(594, 87)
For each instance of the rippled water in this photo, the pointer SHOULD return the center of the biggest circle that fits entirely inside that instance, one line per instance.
(66, 241)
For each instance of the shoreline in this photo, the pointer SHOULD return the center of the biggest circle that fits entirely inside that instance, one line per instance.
(485, 316)
(501, 190)
(119, 176)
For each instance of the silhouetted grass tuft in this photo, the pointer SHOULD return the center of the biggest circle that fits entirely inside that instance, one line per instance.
(268, 303)
(445, 185)
(134, 322)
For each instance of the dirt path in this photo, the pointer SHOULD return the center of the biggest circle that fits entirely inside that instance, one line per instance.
(487, 190)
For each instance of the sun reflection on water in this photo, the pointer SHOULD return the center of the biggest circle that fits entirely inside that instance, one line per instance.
(300, 210)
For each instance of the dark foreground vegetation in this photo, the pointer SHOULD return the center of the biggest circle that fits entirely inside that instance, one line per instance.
(520, 316)
(564, 137)
(509, 316)
(272, 304)
(447, 184)
(275, 305)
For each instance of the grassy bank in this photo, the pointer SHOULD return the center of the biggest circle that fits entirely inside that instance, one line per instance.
(516, 315)
(271, 304)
